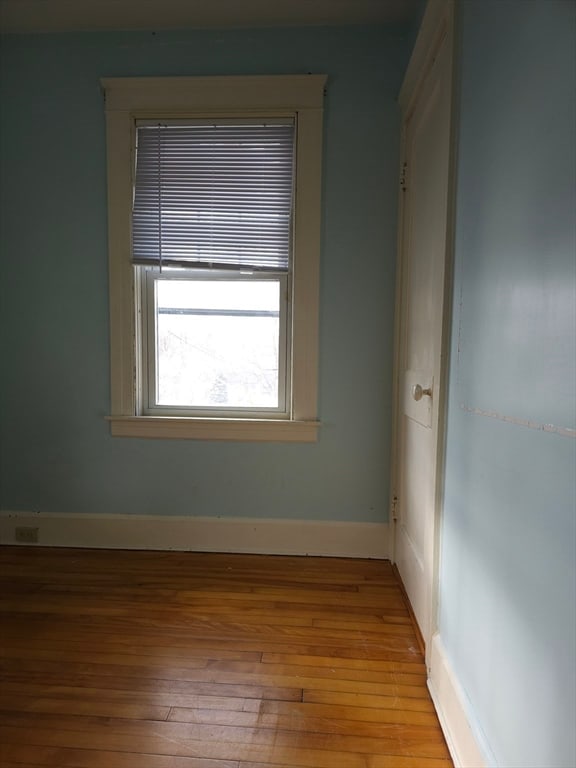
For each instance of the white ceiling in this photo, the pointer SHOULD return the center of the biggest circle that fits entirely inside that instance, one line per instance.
(22, 16)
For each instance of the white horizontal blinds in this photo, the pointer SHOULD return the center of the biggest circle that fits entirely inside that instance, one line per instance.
(216, 195)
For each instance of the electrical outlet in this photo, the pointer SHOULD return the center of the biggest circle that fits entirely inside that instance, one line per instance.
(26, 534)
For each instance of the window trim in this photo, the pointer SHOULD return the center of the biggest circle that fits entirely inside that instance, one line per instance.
(130, 99)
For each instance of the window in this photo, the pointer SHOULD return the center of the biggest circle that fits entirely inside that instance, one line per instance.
(214, 229)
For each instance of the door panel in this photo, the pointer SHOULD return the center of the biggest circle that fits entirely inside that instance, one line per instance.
(423, 242)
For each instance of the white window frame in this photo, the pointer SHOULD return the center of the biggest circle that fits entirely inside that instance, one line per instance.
(148, 277)
(132, 99)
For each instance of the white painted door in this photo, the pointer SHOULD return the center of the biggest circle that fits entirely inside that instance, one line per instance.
(421, 322)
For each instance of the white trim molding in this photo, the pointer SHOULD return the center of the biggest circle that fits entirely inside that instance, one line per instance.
(260, 430)
(201, 534)
(450, 703)
(438, 19)
(127, 100)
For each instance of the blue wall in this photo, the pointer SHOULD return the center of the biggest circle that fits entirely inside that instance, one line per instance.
(57, 452)
(508, 591)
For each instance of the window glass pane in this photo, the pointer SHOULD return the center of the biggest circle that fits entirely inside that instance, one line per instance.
(218, 343)
(219, 294)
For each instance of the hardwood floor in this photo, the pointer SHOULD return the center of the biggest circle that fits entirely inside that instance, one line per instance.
(114, 659)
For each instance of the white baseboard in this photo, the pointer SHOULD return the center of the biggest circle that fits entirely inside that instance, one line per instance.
(201, 534)
(449, 701)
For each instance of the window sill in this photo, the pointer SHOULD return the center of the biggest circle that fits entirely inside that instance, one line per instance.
(247, 430)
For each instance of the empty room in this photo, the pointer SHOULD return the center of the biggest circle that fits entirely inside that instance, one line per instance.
(288, 384)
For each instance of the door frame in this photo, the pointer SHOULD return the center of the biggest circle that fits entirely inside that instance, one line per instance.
(438, 22)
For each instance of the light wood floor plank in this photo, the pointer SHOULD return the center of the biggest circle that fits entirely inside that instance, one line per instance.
(330, 720)
(73, 706)
(384, 714)
(58, 757)
(304, 672)
(411, 668)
